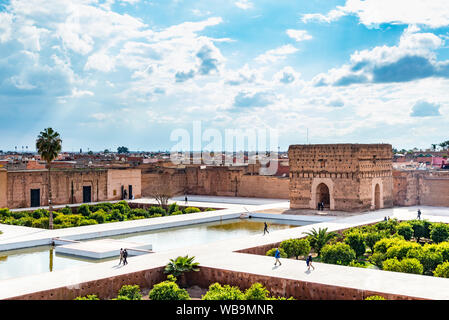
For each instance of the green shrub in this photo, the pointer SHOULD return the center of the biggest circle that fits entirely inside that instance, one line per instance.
(175, 213)
(377, 258)
(36, 214)
(88, 297)
(356, 241)
(439, 232)
(339, 253)
(87, 222)
(411, 265)
(419, 230)
(172, 208)
(357, 264)
(442, 270)
(272, 251)
(209, 209)
(41, 223)
(117, 215)
(430, 260)
(295, 247)
(427, 226)
(26, 222)
(18, 214)
(405, 229)
(168, 290)
(372, 237)
(401, 248)
(375, 298)
(226, 292)
(66, 210)
(156, 215)
(256, 292)
(105, 206)
(130, 291)
(191, 210)
(4, 212)
(389, 226)
(156, 210)
(100, 216)
(385, 243)
(391, 265)
(84, 210)
(122, 298)
(443, 248)
(139, 213)
(123, 208)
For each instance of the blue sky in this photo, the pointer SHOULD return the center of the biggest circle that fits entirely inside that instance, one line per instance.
(106, 73)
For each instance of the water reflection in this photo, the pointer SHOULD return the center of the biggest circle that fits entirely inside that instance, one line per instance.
(24, 262)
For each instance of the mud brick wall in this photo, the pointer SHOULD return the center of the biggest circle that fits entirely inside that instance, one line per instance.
(300, 290)
(350, 171)
(106, 288)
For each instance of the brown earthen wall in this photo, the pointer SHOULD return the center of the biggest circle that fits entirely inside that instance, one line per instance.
(3, 188)
(106, 288)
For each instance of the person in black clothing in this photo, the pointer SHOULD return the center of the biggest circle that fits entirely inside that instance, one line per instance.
(125, 255)
(265, 228)
(322, 205)
(419, 214)
(309, 262)
(185, 198)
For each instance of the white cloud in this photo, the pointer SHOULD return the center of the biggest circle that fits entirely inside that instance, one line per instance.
(298, 35)
(277, 54)
(101, 62)
(434, 13)
(244, 4)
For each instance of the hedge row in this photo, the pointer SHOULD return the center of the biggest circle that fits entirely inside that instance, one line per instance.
(88, 215)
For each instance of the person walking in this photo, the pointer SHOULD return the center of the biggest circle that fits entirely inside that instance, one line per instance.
(419, 214)
(277, 255)
(322, 205)
(185, 199)
(265, 228)
(121, 256)
(125, 255)
(309, 262)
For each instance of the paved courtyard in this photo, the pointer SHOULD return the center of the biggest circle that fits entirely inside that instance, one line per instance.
(222, 254)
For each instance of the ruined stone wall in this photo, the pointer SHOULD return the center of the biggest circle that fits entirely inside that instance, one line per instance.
(124, 177)
(3, 188)
(67, 186)
(350, 171)
(430, 188)
(153, 180)
(214, 181)
(264, 187)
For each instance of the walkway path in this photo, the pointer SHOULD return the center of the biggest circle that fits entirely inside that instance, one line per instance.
(222, 255)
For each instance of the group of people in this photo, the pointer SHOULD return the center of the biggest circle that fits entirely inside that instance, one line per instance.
(320, 206)
(277, 255)
(123, 256)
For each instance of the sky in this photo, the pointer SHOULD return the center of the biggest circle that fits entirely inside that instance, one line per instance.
(109, 73)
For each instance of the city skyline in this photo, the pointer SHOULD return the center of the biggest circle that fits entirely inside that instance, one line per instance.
(130, 72)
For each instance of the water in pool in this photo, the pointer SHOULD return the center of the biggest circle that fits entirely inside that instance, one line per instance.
(23, 262)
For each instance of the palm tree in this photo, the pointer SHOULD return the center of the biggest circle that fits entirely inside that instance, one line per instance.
(177, 267)
(48, 145)
(318, 239)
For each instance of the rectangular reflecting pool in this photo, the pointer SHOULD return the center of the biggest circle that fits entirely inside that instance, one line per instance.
(23, 262)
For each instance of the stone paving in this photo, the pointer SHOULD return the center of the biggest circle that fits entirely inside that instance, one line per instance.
(222, 255)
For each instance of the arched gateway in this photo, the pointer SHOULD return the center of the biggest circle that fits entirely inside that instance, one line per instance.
(322, 195)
